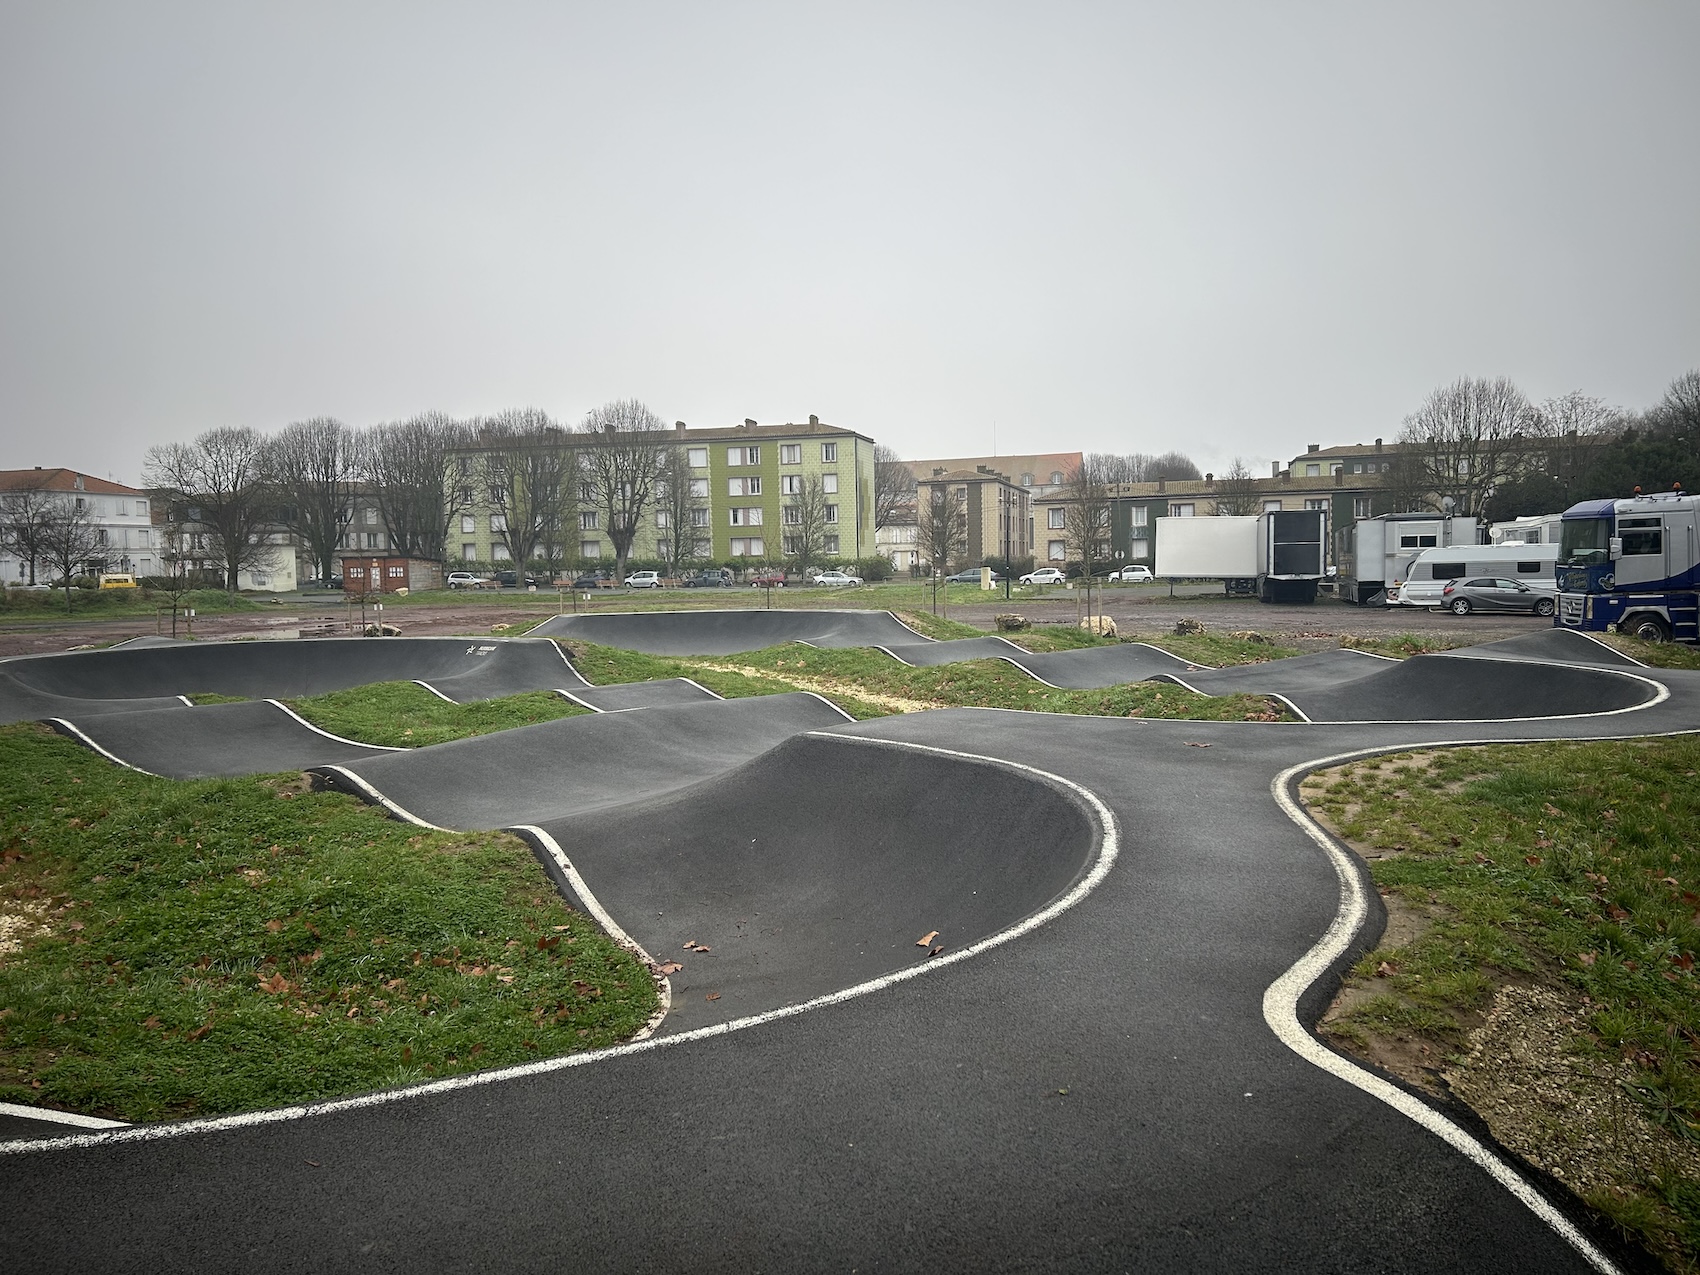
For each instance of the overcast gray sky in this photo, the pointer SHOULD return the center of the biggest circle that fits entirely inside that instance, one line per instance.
(1225, 228)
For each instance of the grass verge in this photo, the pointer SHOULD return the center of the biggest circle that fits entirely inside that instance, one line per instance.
(1544, 918)
(191, 948)
(406, 715)
(1654, 654)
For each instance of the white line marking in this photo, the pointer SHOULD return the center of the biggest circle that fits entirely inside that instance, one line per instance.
(823, 699)
(1281, 1001)
(1109, 841)
(581, 702)
(187, 701)
(70, 729)
(59, 1117)
(593, 905)
(433, 690)
(371, 794)
(702, 688)
(377, 748)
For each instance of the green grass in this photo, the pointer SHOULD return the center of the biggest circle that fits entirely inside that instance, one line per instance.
(219, 946)
(1404, 645)
(49, 604)
(406, 715)
(991, 684)
(1572, 864)
(609, 665)
(1656, 654)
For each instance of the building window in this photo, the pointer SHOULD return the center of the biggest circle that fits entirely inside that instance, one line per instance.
(829, 453)
(1360, 507)
(468, 524)
(754, 547)
(664, 549)
(141, 509)
(1056, 519)
(829, 484)
(1139, 549)
(590, 549)
(790, 515)
(1138, 516)
(1272, 506)
(1313, 471)
(1058, 550)
(790, 544)
(790, 453)
(586, 492)
(1182, 509)
(1316, 504)
(696, 457)
(498, 553)
(832, 513)
(371, 517)
(587, 520)
(742, 517)
(743, 486)
(661, 521)
(699, 517)
(142, 538)
(1027, 480)
(469, 553)
(498, 522)
(372, 540)
(699, 488)
(791, 485)
(829, 544)
(395, 573)
(743, 455)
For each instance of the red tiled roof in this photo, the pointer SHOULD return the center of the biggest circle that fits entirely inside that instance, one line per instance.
(58, 479)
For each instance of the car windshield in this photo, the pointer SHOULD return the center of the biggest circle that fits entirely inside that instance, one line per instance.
(1585, 541)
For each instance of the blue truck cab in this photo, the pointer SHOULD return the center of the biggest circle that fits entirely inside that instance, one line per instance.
(1631, 566)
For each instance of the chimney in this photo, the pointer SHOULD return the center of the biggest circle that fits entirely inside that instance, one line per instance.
(938, 470)
(1286, 475)
(1274, 469)
(1313, 447)
(1340, 476)
(813, 419)
(1210, 480)
(1162, 484)
(1378, 444)
(678, 427)
(748, 423)
(982, 469)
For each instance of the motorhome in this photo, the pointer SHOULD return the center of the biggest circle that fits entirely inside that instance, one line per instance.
(1531, 529)
(1434, 568)
(1375, 553)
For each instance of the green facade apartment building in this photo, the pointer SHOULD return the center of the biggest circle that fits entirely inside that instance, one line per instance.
(743, 478)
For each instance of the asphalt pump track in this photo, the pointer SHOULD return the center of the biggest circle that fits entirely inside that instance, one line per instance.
(1107, 1065)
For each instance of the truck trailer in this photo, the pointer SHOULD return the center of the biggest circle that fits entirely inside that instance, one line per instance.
(1279, 556)
(1632, 566)
(1375, 554)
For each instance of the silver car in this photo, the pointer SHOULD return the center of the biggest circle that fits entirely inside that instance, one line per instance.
(1493, 593)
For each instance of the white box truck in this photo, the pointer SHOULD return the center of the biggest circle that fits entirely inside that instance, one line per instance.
(1277, 556)
(1375, 554)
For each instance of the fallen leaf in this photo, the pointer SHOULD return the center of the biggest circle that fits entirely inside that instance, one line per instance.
(926, 939)
(314, 1163)
(1533, 860)
(1588, 958)
(546, 945)
(1551, 809)
(151, 1021)
(935, 952)
(712, 996)
(274, 926)
(671, 967)
(200, 1031)
(1386, 969)
(274, 985)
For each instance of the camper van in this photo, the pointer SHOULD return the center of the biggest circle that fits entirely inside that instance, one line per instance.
(1433, 568)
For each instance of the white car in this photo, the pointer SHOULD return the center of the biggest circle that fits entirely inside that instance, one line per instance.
(1044, 575)
(644, 580)
(1131, 574)
(837, 579)
(466, 580)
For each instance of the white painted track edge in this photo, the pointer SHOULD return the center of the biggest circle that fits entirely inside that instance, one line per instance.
(80, 737)
(1281, 1001)
(377, 748)
(1109, 842)
(49, 1116)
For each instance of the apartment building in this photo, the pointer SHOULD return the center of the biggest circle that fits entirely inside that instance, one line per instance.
(744, 480)
(122, 517)
(999, 511)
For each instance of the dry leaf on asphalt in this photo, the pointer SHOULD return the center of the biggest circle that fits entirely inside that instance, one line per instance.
(712, 996)
(671, 967)
(927, 938)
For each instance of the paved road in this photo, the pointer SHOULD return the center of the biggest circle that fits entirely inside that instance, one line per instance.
(1102, 1071)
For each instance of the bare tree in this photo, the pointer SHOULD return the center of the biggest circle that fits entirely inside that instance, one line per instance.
(676, 505)
(803, 519)
(621, 458)
(1175, 465)
(315, 464)
(531, 474)
(421, 477)
(1115, 468)
(222, 478)
(1236, 491)
(26, 511)
(1469, 437)
(1580, 414)
(894, 488)
(1088, 514)
(69, 539)
(941, 528)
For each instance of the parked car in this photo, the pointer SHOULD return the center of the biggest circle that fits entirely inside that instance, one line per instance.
(1130, 575)
(710, 578)
(768, 580)
(513, 580)
(1044, 575)
(644, 580)
(592, 580)
(323, 582)
(837, 579)
(466, 580)
(970, 576)
(1491, 593)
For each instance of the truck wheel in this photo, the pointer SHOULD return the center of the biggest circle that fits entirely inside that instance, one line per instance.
(1649, 628)
(1460, 606)
(1544, 607)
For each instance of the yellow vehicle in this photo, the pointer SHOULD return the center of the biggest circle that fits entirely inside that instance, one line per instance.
(117, 582)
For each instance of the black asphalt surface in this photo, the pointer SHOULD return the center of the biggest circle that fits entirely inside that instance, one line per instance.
(1101, 1092)
(657, 694)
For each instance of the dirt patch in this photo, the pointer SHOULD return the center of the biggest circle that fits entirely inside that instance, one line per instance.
(821, 686)
(19, 919)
